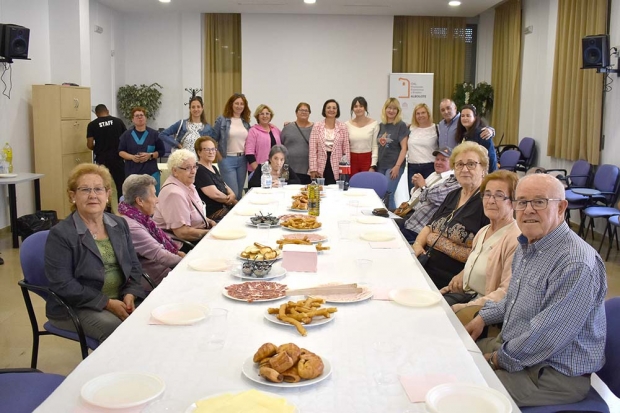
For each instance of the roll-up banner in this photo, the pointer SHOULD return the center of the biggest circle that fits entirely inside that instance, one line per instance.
(412, 89)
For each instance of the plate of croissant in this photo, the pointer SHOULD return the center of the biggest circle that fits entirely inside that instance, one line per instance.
(286, 366)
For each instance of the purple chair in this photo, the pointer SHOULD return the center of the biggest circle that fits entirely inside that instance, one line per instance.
(370, 180)
(579, 177)
(609, 374)
(509, 159)
(527, 149)
(23, 390)
(607, 181)
(32, 258)
(613, 232)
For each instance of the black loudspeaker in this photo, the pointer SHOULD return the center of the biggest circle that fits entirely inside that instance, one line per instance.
(14, 41)
(595, 51)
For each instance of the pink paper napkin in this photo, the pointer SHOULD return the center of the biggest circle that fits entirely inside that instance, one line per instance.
(379, 293)
(416, 387)
(387, 245)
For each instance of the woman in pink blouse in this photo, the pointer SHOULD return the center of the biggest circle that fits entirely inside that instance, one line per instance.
(329, 142)
(261, 137)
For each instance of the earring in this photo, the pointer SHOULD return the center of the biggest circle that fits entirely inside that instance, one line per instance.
(73, 201)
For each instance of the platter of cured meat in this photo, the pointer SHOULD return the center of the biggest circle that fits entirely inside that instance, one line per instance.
(255, 291)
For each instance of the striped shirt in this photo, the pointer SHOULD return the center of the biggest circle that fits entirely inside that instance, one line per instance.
(554, 310)
(429, 201)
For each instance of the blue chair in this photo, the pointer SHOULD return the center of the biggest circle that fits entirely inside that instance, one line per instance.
(509, 159)
(607, 181)
(527, 149)
(23, 390)
(370, 180)
(579, 177)
(32, 258)
(613, 233)
(609, 374)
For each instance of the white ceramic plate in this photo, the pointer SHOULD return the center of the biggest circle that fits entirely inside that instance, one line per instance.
(377, 236)
(122, 390)
(262, 201)
(262, 191)
(466, 397)
(225, 294)
(251, 224)
(347, 298)
(180, 314)
(352, 192)
(300, 236)
(371, 220)
(317, 321)
(298, 210)
(193, 407)
(228, 233)
(246, 212)
(276, 272)
(413, 297)
(303, 230)
(250, 370)
(208, 265)
(8, 175)
(294, 186)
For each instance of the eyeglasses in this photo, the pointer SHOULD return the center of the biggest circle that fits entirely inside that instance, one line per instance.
(86, 191)
(208, 149)
(537, 204)
(265, 114)
(138, 116)
(498, 197)
(188, 168)
(470, 165)
(303, 111)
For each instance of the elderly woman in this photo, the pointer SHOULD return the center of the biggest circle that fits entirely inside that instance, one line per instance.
(296, 137)
(363, 133)
(156, 251)
(422, 142)
(140, 147)
(470, 128)
(90, 260)
(277, 158)
(488, 268)
(445, 243)
(230, 132)
(216, 195)
(180, 209)
(261, 137)
(329, 142)
(392, 139)
(184, 133)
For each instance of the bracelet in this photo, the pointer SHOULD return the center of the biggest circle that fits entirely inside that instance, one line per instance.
(493, 366)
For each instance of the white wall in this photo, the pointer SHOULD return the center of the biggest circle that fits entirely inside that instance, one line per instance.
(312, 58)
(16, 112)
(64, 42)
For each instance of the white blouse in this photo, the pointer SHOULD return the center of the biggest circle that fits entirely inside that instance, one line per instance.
(361, 140)
(421, 144)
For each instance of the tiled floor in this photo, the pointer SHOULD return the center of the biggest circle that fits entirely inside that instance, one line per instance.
(60, 356)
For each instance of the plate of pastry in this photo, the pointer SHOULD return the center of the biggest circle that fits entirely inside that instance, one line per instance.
(241, 401)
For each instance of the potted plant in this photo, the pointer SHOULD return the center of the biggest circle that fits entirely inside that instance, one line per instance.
(130, 96)
(480, 96)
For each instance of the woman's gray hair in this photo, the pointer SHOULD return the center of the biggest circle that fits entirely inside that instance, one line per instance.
(179, 156)
(278, 149)
(137, 186)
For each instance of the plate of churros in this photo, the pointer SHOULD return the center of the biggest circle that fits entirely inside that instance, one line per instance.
(301, 314)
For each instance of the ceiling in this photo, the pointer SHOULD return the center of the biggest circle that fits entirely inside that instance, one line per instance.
(468, 8)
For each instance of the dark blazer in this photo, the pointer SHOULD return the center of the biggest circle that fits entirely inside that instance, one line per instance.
(74, 266)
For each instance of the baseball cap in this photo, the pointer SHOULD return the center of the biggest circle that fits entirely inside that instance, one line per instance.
(445, 151)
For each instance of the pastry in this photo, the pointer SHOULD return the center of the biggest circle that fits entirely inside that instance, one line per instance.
(310, 366)
(270, 374)
(281, 362)
(292, 350)
(265, 351)
(264, 362)
(291, 375)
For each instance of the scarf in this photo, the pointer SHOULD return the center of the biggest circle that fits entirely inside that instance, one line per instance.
(146, 221)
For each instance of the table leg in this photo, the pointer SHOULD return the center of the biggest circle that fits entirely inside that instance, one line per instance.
(37, 195)
(13, 214)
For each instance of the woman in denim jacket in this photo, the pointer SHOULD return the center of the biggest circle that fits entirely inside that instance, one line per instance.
(231, 132)
(184, 133)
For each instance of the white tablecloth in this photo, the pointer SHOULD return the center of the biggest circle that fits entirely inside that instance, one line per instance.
(432, 342)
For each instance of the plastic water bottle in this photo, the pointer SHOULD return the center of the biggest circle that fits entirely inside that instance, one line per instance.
(314, 199)
(7, 151)
(344, 167)
(265, 179)
(4, 165)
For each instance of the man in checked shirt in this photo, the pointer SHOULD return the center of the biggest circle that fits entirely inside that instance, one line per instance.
(553, 334)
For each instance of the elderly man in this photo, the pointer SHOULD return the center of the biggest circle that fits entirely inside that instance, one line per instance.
(553, 334)
(428, 194)
(448, 125)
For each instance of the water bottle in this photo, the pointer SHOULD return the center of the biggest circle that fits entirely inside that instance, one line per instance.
(314, 199)
(7, 151)
(265, 179)
(344, 167)
(4, 165)
(285, 173)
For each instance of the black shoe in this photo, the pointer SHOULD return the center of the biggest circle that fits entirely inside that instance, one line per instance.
(1, 261)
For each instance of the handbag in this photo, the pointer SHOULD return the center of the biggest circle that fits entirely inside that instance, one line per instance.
(403, 210)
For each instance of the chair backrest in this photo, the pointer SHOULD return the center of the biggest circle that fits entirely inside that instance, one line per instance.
(32, 259)
(610, 373)
(370, 180)
(580, 174)
(509, 160)
(527, 146)
(606, 179)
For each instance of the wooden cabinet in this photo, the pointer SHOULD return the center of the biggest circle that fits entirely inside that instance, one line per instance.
(60, 115)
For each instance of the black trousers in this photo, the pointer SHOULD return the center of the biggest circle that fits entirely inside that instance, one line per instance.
(116, 166)
(328, 173)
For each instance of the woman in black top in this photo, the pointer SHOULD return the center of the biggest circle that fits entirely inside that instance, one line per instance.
(210, 185)
(277, 158)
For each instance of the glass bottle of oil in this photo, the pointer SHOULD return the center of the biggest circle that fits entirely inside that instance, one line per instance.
(314, 199)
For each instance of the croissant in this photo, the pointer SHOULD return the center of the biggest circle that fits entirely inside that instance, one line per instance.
(281, 362)
(270, 374)
(292, 350)
(291, 375)
(264, 362)
(266, 350)
(310, 366)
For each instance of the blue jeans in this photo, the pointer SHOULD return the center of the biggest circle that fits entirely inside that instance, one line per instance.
(424, 169)
(392, 184)
(234, 169)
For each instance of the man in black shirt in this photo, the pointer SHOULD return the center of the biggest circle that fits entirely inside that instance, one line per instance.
(102, 138)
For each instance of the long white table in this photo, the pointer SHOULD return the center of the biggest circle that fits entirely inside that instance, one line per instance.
(433, 341)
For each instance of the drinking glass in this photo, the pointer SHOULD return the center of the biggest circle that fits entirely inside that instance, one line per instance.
(340, 185)
(216, 328)
(387, 355)
(363, 267)
(344, 229)
(263, 233)
(320, 181)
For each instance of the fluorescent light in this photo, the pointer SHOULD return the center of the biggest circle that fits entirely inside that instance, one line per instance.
(164, 1)
(309, 1)
(452, 3)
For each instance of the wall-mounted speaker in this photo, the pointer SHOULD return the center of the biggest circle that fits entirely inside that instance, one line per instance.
(14, 41)
(595, 51)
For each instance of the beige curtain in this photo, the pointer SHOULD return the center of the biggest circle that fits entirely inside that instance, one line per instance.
(576, 97)
(431, 45)
(222, 61)
(506, 73)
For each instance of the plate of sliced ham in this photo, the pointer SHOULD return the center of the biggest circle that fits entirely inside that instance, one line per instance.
(255, 291)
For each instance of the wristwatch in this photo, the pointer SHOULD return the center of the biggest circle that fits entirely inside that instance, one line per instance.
(493, 366)
(424, 187)
(152, 155)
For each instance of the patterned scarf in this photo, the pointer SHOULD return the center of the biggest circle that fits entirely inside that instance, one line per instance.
(146, 221)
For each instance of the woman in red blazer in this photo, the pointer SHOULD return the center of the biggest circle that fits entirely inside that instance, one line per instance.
(329, 142)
